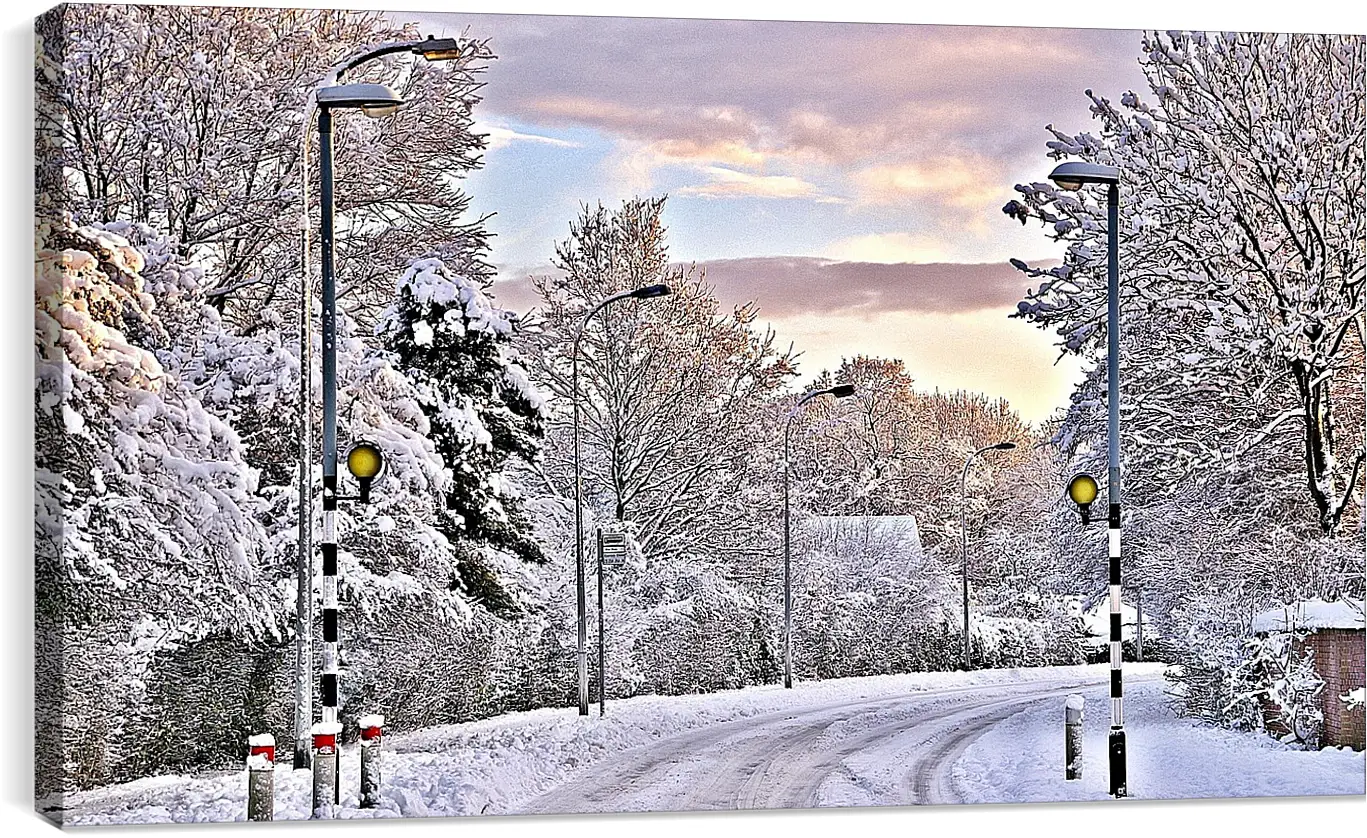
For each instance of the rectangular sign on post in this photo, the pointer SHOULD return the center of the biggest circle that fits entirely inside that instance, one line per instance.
(612, 547)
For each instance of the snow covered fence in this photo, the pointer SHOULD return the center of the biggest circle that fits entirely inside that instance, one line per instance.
(1072, 736)
(325, 779)
(371, 726)
(261, 777)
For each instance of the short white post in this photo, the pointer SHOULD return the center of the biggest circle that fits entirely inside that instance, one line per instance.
(371, 729)
(261, 777)
(1072, 736)
(325, 768)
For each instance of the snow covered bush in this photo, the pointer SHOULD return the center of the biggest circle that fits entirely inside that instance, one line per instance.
(684, 628)
(1279, 675)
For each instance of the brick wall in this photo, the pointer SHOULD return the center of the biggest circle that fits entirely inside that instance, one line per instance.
(1340, 660)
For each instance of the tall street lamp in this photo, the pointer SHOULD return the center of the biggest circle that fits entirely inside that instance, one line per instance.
(646, 293)
(374, 100)
(840, 391)
(963, 527)
(1072, 176)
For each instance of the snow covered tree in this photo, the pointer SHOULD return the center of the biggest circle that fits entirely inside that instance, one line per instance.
(456, 348)
(891, 450)
(1242, 221)
(672, 391)
(145, 522)
(1241, 229)
(203, 140)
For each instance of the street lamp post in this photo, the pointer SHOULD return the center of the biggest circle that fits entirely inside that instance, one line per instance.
(840, 391)
(963, 527)
(374, 100)
(645, 293)
(303, 596)
(1074, 175)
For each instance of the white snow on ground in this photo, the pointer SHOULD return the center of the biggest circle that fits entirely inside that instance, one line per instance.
(1021, 759)
(500, 765)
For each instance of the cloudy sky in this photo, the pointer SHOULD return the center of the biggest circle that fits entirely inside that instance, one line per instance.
(848, 177)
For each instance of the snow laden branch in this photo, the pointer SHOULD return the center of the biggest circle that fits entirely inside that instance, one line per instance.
(1242, 220)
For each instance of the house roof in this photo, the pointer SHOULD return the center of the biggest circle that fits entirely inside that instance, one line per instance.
(1311, 615)
(1096, 623)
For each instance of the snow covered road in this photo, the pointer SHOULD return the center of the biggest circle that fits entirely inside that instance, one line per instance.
(866, 752)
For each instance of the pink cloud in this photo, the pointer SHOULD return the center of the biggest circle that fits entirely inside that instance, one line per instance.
(788, 286)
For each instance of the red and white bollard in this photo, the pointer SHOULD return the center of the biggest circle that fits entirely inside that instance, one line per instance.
(261, 777)
(371, 729)
(325, 779)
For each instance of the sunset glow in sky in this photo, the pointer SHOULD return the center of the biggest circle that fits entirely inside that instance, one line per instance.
(847, 177)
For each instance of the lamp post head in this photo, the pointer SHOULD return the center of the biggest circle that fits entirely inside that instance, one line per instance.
(1074, 174)
(438, 49)
(374, 100)
(1004, 446)
(651, 291)
(841, 391)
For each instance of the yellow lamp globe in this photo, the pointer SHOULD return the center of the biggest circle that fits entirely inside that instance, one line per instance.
(1083, 489)
(365, 461)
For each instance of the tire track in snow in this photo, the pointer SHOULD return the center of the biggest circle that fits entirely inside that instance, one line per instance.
(930, 779)
(608, 787)
(802, 784)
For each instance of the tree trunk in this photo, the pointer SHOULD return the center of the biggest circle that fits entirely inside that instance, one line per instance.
(1312, 386)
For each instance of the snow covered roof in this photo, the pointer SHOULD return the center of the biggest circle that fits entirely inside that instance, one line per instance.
(889, 529)
(1096, 624)
(1311, 614)
(902, 525)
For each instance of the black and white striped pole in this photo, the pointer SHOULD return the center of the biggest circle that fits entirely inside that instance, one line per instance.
(373, 100)
(1074, 175)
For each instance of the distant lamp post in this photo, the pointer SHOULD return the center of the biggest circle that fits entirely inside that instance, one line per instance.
(963, 527)
(646, 293)
(840, 391)
(1074, 175)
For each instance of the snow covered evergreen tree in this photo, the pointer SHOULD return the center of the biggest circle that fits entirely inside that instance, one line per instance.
(456, 347)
